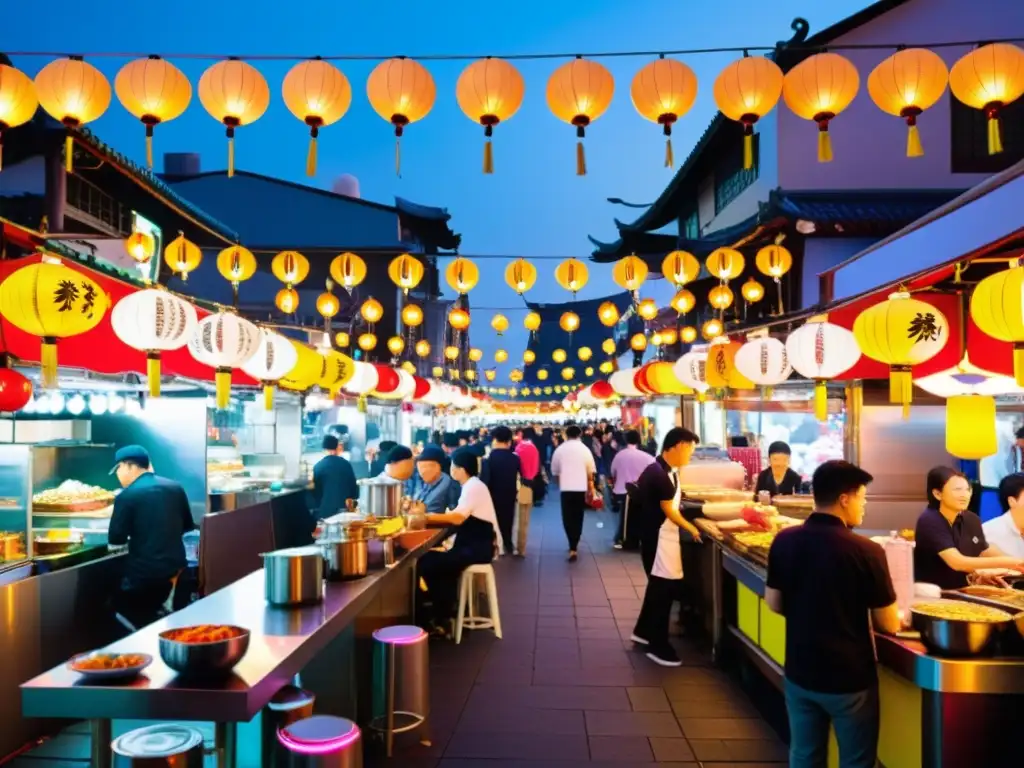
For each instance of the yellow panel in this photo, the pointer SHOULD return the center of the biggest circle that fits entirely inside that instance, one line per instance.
(747, 611)
(899, 743)
(773, 634)
(833, 749)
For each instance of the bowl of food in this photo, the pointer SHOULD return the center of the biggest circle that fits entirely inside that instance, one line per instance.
(205, 649)
(956, 627)
(104, 665)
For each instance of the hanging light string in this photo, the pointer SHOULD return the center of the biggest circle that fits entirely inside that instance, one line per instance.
(789, 47)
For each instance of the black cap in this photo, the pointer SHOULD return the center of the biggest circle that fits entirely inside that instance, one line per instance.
(431, 453)
(133, 453)
(399, 453)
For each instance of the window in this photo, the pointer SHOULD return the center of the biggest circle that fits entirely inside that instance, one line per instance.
(969, 138)
(691, 226)
(731, 178)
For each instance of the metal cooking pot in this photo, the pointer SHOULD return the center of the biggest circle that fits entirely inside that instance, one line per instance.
(955, 637)
(346, 557)
(166, 744)
(294, 576)
(380, 498)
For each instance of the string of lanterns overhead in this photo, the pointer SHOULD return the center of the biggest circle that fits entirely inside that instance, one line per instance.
(491, 90)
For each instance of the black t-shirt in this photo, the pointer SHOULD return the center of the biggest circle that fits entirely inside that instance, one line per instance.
(654, 486)
(933, 534)
(333, 482)
(830, 578)
(499, 473)
(766, 482)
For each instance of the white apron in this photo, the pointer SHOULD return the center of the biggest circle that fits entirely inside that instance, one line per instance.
(668, 559)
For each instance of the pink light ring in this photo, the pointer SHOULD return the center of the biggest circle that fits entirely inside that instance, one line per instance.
(400, 634)
(325, 747)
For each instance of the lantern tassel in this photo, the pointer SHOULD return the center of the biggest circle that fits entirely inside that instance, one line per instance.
(488, 157)
(581, 160)
(914, 146)
(670, 160)
(748, 151)
(398, 158)
(901, 387)
(824, 146)
(48, 361)
(222, 379)
(995, 138)
(231, 156)
(311, 157)
(820, 401)
(153, 374)
(149, 151)
(268, 397)
(69, 151)
(1018, 364)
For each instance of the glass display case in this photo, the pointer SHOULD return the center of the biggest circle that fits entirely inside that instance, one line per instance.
(15, 499)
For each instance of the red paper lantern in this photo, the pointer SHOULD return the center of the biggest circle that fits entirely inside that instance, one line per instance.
(640, 380)
(601, 390)
(422, 388)
(387, 379)
(15, 390)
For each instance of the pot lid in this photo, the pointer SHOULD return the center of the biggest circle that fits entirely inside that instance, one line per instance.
(161, 740)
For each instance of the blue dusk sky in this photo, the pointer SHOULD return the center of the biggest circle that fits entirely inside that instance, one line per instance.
(534, 204)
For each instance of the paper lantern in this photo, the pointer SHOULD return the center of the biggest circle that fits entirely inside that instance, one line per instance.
(568, 373)
(670, 336)
(901, 332)
(336, 370)
(515, 375)
(971, 427)
(462, 275)
(182, 256)
(532, 321)
(691, 370)
(720, 297)
(401, 91)
(746, 91)
(688, 334)
(489, 91)
(725, 263)
(529, 356)
(327, 303)
(73, 92)
(988, 78)
(388, 381)
(287, 300)
(409, 367)
(235, 94)
(274, 358)
(437, 370)
(422, 388)
(819, 351)
(52, 301)
(572, 275)
(638, 342)
(451, 353)
(819, 88)
(348, 270)
(371, 310)
(623, 382)
(647, 309)
(721, 370)
(476, 354)
(712, 329)
(290, 267)
(680, 267)
(412, 315)
(752, 291)
(656, 339)
(153, 91)
(608, 346)
(606, 367)
(458, 319)
(500, 355)
(140, 246)
(224, 341)
(318, 94)
(406, 272)
(18, 101)
(584, 353)
(578, 93)
(683, 301)
(588, 371)
(559, 356)
(773, 261)
(569, 322)
(15, 390)
(306, 371)
(395, 345)
(422, 348)
(342, 339)
(499, 323)
(764, 362)
(629, 273)
(520, 276)
(906, 84)
(663, 91)
(601, 390)
(153, 321)
(236, 264)
(659, 378)
(364, 379)
(367, 341)
(608, 314)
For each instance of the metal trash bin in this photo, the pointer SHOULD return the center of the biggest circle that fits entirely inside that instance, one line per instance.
(401, 691)
(159, 746)
(322, 741)
(287, 706)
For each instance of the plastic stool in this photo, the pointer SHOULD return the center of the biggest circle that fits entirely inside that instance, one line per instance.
(401, 694)
(287, 706)
(322, 741)
(161, 744)
(467, 616)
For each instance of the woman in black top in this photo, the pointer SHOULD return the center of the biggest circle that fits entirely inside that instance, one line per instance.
(778, 479)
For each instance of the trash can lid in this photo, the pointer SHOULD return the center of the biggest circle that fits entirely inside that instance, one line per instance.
(400, 634)
(161, 740)
(319, 735)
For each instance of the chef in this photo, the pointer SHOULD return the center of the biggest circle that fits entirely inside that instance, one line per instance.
(660, 494)
(777, 478)
(150, 515)
(477, 542)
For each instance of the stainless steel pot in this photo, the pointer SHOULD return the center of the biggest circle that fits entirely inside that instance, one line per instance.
(294, 576)
(380, 498)
(346, 558)
(166, 744)
(954, 637)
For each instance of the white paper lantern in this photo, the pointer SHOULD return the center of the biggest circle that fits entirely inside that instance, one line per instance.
(364, 379)
(622, 382)
(763, 361)
(968, 379)
(691, 369)
(820, 350)
(224, 341)
(153, 321)
(274, 358)
(406, 386)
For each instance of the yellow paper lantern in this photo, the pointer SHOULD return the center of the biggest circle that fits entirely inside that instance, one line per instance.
(52, 301)
(342, 339)
(988, 78)
(638, 343)
(568, 373)
(490, 374)
(287, 300)
(182, 256)
(906, 84)
(901, 332)
(711, 329)
(290, 267)
(401, 91)
(569, 322)
(236, 264)
(720, 297)
(725, 263)
(451, 353)
(470, 375)
(647, 309)
(406, 271)
(572, 275)
(462, 275)
(683, 301)
(529, 356)
(235, 94)
(153, 91)
(458, 319)
(819, 88)
(515, 375)
(318, 94)
(18, 101)
(308, 368)
(327, 304)
(520, 276)
(396, 344)
(663, 91)
(559, 356)
(367, 341)
(773, 261)
(752, 291)
(140, 246)
(721, 368)
(578, 93)
(662, 380)
(422, 347)
(437, 371)
(606, 367)
(688, 334)
(584, 353)
(971, 427)
(409, 367)
(371, 310)
(500, 355)
(608, 346)
(669, 336)
(746, 91)
(629, 273)
(680, 268)
(489, 91)
(412, 315)
(532, 321)
(348, 270)
(608, 314)
(656, 340)
(476, 354)
(337, 370)
(499, 323)
(74, 93)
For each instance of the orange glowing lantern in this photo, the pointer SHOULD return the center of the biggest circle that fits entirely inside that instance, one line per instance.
(490, 91)
(578, 93)
(318, 94)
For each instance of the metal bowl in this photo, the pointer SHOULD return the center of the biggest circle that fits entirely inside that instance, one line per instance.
(955, 637)
(203, 659)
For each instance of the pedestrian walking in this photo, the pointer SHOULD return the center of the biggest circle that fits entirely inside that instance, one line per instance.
(573, 465)
(501, 475)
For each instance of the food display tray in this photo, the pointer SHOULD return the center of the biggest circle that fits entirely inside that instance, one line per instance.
(79, 506)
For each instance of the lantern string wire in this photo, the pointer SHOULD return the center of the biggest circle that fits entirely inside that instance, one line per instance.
(788, 47)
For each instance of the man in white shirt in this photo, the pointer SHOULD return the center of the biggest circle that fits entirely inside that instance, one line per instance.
(1007, 531)
(574, 467)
